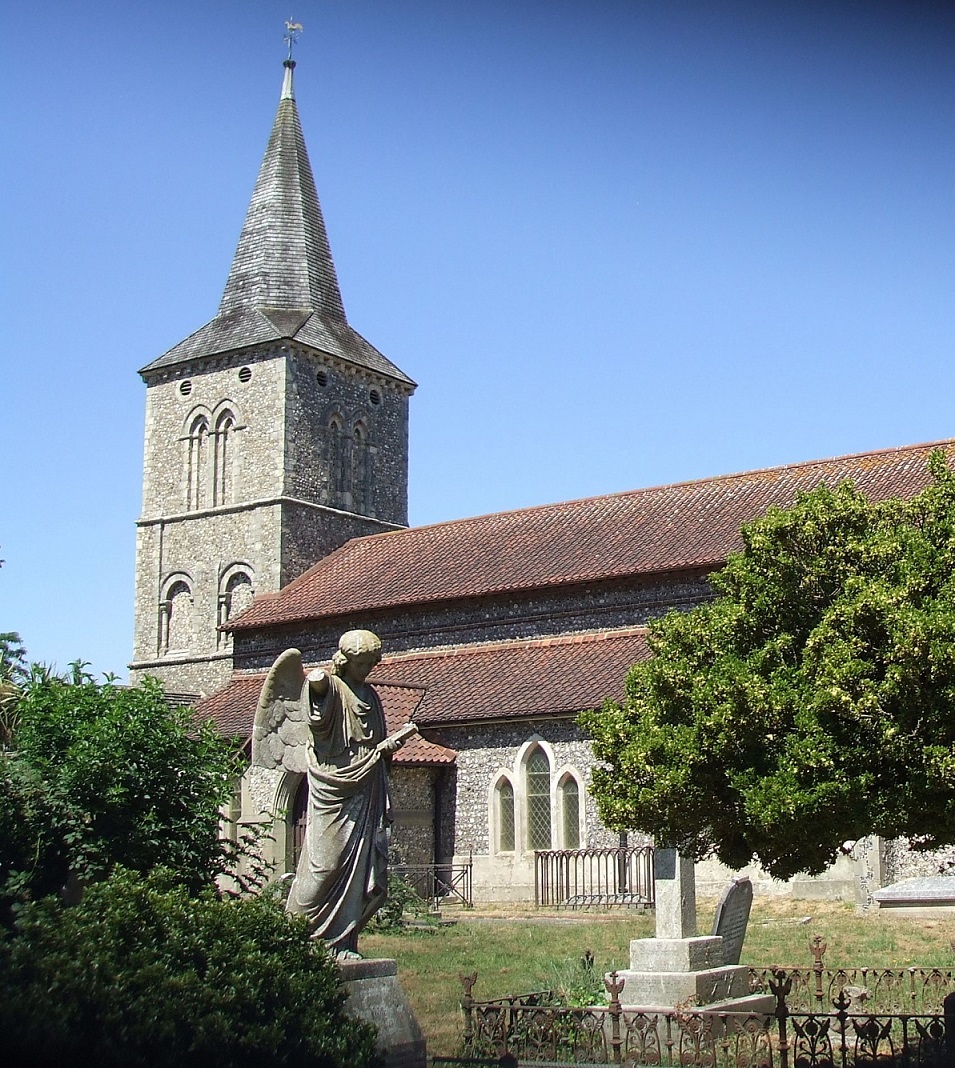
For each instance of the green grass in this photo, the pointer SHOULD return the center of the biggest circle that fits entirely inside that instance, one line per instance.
(516, 950)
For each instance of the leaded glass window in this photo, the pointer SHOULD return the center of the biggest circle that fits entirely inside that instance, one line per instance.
(505, 817)
(537, 771)
(570, 804)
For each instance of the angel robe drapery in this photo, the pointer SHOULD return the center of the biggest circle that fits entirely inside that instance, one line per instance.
(341, 879)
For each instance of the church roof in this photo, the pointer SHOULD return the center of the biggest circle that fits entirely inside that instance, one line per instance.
(232, 710)
(518, 679)
(679, 527)
(282, 284)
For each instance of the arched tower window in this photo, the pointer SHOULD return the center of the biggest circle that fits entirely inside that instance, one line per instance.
(359, 454)
(568, 798)
(537, 793)
(235, 595)
(335, 461)
(222, 482)
(197, 461)
(177, 623)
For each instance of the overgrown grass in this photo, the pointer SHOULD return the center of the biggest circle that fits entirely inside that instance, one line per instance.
(516, 950)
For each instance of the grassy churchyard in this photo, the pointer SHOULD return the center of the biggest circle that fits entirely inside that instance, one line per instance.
(515, 950)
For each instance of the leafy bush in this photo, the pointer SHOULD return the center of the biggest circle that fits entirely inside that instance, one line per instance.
(100, 775)
(141, 973)
(402, 899)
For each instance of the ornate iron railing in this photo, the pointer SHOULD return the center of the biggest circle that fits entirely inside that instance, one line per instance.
(439, 884)
(613, 1035)
(879, 990)
(822, 1018)
(588, 878)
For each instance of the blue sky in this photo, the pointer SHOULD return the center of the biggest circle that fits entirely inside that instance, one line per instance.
(617, 244)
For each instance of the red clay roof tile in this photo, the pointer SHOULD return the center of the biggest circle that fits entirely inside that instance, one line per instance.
(232, 710)
(518, 679)
(666, 528)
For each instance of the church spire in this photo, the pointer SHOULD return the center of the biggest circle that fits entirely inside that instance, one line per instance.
(282, 283)
(283, 261)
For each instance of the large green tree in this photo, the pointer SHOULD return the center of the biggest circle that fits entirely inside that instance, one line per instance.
(98, 775)
(811, 703)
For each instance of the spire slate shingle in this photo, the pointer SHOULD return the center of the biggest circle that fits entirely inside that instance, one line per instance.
(282, 283)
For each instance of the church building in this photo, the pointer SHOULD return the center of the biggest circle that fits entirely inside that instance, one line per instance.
(275, 517)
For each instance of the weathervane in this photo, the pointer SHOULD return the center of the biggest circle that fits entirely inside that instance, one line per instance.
(293, 30)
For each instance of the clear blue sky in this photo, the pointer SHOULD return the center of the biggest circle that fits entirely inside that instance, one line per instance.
(616, 243)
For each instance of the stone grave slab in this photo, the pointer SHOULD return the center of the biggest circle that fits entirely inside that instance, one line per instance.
(732, 918)
(927, 896)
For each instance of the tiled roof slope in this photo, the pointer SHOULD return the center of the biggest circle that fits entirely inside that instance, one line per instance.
(518, 679)
(232, 710)
(282, 283)
(682, 526)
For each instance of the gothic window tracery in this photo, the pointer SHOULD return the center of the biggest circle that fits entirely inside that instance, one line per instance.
(537, 794)
(568, 798)
(505, 816)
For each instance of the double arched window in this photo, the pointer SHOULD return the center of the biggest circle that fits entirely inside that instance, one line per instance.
(210, 462)
(533, 806)
(348, 461)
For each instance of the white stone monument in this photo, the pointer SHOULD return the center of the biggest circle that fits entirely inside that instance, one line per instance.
(678, 966)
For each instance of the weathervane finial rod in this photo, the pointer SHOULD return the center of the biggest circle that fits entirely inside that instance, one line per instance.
(293, 30)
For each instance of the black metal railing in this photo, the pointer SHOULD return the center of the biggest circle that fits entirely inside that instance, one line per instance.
(821, 1018)
(589, 878)
(514, 1031)
(439, 884)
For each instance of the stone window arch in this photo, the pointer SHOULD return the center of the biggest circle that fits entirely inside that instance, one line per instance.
(570, 809)
(223, 481)
(359, 464)
(177, 630)
(536, 781)
(236, 590)
(335, 459)
(197, 462)
(503, 814)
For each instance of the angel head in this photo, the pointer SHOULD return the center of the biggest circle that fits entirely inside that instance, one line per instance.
(358, 652)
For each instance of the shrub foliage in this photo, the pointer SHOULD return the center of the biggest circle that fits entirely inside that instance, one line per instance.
(98, 775)
(141, 973)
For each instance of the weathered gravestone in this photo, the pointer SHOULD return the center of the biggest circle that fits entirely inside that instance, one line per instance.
(732, 917)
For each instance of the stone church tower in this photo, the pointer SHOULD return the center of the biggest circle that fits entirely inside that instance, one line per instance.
(273, 434)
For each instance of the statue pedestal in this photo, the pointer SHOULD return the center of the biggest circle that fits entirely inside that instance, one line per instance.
(373, 994)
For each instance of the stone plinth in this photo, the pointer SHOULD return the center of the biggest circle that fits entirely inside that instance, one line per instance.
(664, 990)
(373, 994)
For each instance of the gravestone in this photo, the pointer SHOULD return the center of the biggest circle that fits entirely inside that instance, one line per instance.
(927, 896)
(679, 967)
(732, 917)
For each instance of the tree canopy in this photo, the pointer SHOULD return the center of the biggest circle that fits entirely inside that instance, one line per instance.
(97, 775)
(811, 702)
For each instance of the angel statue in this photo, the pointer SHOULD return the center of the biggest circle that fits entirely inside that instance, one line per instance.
(330, 725)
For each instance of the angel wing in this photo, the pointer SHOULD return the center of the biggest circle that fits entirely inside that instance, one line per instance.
(280, 731)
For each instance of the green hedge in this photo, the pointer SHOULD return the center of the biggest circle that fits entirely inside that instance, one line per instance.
(142, 973)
